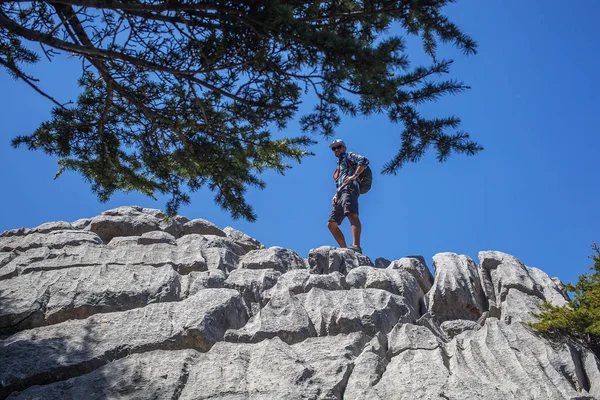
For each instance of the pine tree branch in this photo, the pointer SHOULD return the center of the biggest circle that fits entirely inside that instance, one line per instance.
(67, 14)
(29, 80)
(352, 15)
(102, 120)
(187, 93)
(118, 5)
(88, 50)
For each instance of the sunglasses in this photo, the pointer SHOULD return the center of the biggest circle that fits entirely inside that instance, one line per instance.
(337, 147)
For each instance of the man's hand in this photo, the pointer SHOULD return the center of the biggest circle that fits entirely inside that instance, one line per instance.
(334, 200)
(350, 178)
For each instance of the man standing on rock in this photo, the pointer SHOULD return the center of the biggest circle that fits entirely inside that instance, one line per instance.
(345, 201)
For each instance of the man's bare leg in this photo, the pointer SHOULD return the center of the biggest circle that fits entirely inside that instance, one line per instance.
(337, 233)
(356, 228)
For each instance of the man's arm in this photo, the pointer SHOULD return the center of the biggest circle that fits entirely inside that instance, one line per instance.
(359, 170)
(361, 163)
(358, 159)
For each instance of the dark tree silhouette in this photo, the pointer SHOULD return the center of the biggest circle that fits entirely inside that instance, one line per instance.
(181, 94)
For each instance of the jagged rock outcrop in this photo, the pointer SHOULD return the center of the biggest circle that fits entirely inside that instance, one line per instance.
(131, 304)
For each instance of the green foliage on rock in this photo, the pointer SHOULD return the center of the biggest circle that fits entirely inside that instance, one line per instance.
(177, 95)
(580, 318)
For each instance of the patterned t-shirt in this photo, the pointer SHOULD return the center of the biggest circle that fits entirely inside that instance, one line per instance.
(345, 170)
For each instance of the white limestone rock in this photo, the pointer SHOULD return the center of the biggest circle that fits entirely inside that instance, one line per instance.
(369, 366)
(14, 232)
(119, 251)
(294, 281)
(218, 252)
(318, 260)
(221, 259)
(355, 310)
(332, 281)
(173, 225)
(56, 239)
(277, 258)
(156, 237)
(327, 259)
(253, 284)
(81, 223)
(201, 226)
(552, 288)
(317, 368)
(52, 226)
(417, 267)
(396, 281)
(515, 289)
(302, 281)
(508, 361)
(158, 374)
(413, 374)
(457, 291)
(61, 351)
(48, 297)
(410, 337)
(196, 281)
(246, 242)
(457, 326)
(7, 256)
(123, 221)
(381, 262)
(153, 310)
(496, 361)
(283, 317)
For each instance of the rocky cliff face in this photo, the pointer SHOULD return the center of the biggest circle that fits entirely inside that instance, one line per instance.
(131, 305)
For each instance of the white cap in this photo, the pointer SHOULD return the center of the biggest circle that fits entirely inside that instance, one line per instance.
(337, 142)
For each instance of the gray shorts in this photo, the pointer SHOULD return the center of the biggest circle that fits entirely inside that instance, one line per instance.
(347, 203)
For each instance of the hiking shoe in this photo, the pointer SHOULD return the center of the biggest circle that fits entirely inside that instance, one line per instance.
(356, 249)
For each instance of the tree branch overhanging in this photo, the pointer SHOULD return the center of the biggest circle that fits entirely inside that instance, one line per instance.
(164, 84)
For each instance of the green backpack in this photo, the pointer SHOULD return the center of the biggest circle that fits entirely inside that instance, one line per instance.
(365, 178)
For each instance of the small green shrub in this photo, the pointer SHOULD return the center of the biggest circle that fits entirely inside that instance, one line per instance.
(580, 318)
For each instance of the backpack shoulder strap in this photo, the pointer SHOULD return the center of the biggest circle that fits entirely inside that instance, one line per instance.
(350, 164)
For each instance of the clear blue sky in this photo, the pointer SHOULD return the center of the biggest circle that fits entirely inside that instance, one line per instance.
(533, 193)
